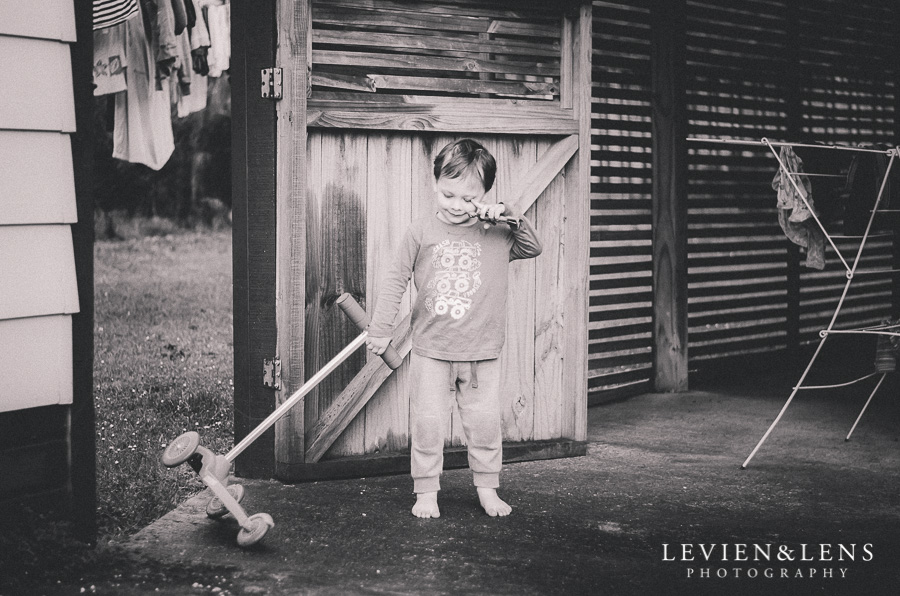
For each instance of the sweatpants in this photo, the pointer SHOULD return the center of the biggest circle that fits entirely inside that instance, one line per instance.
(475, 386)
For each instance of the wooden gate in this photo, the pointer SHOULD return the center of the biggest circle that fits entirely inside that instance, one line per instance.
(372, 90)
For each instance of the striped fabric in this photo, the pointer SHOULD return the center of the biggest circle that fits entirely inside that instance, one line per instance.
(112, 12)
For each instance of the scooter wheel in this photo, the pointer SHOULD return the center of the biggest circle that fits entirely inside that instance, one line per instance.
(181, 449)
(216, 508)
(259, 524)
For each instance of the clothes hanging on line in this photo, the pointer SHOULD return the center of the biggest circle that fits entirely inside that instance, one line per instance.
(794, 217)
(200, 43)
(159, 59)
(143, 121)
(218, 19)
(108, 13)
(110, 60)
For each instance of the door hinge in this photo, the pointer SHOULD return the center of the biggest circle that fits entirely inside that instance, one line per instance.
(272, 373)
(271, 83)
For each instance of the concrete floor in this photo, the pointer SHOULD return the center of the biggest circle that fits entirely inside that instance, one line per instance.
(660, 470)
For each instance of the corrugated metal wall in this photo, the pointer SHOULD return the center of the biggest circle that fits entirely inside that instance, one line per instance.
(799, 71)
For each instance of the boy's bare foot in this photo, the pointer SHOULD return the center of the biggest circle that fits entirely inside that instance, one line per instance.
(426, 505)
(493, 505)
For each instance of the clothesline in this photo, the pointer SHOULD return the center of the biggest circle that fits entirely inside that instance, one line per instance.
(765, 141)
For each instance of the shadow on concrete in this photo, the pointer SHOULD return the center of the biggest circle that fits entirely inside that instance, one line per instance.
(639, 514)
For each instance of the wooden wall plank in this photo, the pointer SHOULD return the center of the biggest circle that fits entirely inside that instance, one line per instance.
(253, 33)
(342, 268)
(45, 19)
(441, 63)
(38, 92)
(403, 40)
(312, 308)
(509, 10)
(515, 158)
(82, 422)
(37, 271)
(35, 362)
(389, 210)
(577, 237)
(356, 395)
(670, 306)
(27, 194)
(294, 42)
(34, 458)
(444, 120)
(549, 318)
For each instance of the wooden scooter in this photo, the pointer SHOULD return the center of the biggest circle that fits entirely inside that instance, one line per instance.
(214, 469)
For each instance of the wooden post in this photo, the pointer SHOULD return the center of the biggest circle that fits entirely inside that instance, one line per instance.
(576, 232)
(292, 54)
(667, 67)
(253, 227)
(82, 422)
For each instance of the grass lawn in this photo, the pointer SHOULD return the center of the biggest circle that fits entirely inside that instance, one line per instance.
(163, 365)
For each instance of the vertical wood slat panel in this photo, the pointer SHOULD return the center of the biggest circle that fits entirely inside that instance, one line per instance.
(577, 238)
(253, 181)
(341, 268)
(82, 421)
(549, 320)
(291, 187)
(312, 277)
(400, 187)
(515, 157)
(670, 304)
(389, 212)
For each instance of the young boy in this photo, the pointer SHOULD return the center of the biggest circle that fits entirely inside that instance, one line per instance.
(460, 268)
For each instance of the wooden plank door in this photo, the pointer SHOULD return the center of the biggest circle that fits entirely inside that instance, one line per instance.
(352, 167)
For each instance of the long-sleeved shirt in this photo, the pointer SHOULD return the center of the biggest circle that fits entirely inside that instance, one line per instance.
(461, 274)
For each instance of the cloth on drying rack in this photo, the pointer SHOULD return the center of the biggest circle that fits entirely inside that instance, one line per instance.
(887, 347)
(867, 170)
(794, 216)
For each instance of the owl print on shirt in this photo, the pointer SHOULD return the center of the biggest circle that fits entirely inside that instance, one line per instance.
(456, 278)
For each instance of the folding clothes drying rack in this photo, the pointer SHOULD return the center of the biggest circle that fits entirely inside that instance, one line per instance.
(851, 272)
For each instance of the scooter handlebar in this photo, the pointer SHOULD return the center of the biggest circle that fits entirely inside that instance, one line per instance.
(359, 317)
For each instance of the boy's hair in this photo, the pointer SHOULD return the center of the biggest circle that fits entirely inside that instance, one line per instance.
(466, 157)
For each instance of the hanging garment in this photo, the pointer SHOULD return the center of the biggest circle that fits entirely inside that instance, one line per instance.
(887, 347)
(794, 215)
(179, 14)
(198, 30)
(191, 88)
(191, 13)
(218, 19)
(828, 184)
(108, 13)
(161, 23)
(864, 180)
(109, 59)
(143, 122)
(199, 43)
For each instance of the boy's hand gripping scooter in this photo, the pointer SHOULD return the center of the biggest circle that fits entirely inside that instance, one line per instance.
(213, 469)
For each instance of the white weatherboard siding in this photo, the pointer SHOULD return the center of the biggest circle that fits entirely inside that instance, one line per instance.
(38, 286)
(36, 180)
(35, 362)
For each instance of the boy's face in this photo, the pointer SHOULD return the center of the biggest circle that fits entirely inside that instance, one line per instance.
(454, 198)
